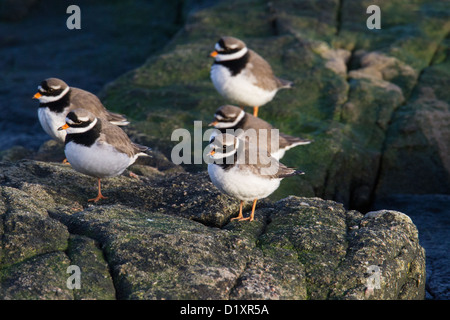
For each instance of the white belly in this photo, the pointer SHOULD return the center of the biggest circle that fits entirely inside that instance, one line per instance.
(51, 121)
(98, 160)
(241, 185)
(239, 89)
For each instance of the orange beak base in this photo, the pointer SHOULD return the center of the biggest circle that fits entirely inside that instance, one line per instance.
(213, 54)
(64, 127)
(37, 95)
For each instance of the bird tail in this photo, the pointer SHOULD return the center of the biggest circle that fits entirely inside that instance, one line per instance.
(294, 141)
(142, 150)
(294, 172)
(285, 84)
(117, 119)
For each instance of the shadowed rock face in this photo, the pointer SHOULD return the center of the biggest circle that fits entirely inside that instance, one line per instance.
(168, 235)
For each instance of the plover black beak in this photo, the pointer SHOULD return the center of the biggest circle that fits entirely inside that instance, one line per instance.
(64, 127)
(37, 95)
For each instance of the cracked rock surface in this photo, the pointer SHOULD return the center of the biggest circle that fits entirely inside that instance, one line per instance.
(138, 245)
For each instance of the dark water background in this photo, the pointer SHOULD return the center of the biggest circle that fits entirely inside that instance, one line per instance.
(115, 36)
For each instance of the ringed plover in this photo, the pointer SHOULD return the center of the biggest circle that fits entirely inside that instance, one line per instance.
(233, 174)
(243, 76)
(57, 99)
(232, 117)
(95, 147)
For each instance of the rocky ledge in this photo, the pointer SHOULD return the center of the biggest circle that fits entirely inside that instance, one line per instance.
(167, 235)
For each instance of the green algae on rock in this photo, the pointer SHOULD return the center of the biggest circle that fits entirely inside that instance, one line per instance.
(349, 83)
(139, 244)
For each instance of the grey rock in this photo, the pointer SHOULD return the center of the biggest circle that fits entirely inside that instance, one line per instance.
(169, 236)
(431, 214)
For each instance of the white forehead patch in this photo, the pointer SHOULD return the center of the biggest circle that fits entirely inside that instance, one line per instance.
(218, 116)
(232, 56)
(46, 99)
(83, 119)
(218, 47)
(80, 119)
(72, 130)
(224, 125)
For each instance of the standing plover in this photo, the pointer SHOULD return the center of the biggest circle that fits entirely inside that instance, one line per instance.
(95, 147)
(233, 172)
(57, 99)
(242, 76)
(232, 117)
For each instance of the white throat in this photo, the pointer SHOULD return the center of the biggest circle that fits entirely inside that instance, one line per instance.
(47, 99)
(233, 56)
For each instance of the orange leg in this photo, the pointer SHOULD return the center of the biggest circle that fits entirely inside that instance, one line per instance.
(255, 111)
(65, 161)
(99, 196)
(133, 175)
(252, 215)
(240, 216)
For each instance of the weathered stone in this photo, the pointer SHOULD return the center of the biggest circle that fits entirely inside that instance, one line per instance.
(42, 277)
(142, 243)
(95, 280)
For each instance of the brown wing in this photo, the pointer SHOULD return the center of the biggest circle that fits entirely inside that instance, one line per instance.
(116, 137)
(84, 99)
(255, 122)
(259, 161)
(263, 73)
(287, 140)
(260, 127)
(284, 140)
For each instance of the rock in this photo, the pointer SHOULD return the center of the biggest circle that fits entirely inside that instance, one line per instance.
(169, 236)
(27, 229)
(41, 277)
(86, 254)
(418, 140)
(431, 215)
